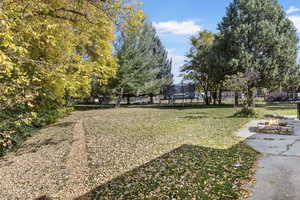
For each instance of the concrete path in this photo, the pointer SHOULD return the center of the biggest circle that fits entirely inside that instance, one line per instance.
(278, 173)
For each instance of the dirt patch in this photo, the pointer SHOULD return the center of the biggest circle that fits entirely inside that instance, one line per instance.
(77, 165)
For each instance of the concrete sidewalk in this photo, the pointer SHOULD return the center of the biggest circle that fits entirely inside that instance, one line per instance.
(278, 173)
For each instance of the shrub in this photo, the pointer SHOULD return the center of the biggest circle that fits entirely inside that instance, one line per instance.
(17, 125)
(246, 112)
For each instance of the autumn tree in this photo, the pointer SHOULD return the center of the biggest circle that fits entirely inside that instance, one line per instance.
(49, 51)
(203, 68)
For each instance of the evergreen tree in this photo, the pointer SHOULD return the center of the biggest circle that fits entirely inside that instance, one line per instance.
(164, 78)
(136, 60)
(259, 40)
(144, 67)
(292, 81)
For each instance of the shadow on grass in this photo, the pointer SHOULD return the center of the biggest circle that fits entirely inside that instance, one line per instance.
(274, 116)
(187, 172)
(197, 113)
(43, 198)
(286, 107)
(193, 117)
(276, 106)
(178, 106)
(83, 107)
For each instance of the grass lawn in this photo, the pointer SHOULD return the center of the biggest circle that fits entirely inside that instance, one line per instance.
(277, 109)
(145, 153)
(169, 153)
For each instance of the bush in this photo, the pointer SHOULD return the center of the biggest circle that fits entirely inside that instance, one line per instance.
(248, 112)
(17, 125)
(50, 116)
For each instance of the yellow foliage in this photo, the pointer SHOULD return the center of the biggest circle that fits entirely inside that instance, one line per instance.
(133, 18)
(51, 49)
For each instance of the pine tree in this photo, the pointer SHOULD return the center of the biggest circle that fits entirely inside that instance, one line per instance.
(144, 67)
(162, 63)
(136, 60)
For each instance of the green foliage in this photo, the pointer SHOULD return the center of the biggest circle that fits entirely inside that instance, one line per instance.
(51, 116)
(16, 127)
(164, 65)
(49, 52)
(236, 82)
(202, 66)
(291, 81)
(258, 39)
(144, 67)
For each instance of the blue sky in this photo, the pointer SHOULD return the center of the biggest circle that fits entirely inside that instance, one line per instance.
(177, 20)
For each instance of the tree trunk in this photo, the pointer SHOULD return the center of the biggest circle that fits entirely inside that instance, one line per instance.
(206, 98)
(220, 97)
(128, 99)
(214, 96)
(250, 100)
(67, 98)
(151, 99)
(236, 99)
(119, 99)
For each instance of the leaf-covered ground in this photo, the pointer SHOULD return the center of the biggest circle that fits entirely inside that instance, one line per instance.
(140, 153)
(183, 153)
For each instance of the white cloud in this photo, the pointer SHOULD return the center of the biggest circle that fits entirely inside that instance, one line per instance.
(296, 20)
(292, 9)
(188, 27)
(176, 58)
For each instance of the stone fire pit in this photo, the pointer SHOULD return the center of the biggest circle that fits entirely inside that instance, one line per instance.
(279, 127)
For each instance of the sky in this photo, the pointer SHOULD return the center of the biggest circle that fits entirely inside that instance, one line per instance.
(177, 20)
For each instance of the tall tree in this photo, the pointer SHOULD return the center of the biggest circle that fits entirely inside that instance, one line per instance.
(50, 50)
(144, 67)
(128, 19)
(162, 63)
(292, 81)
(136, 60)
(259, 40)
(201, 66)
